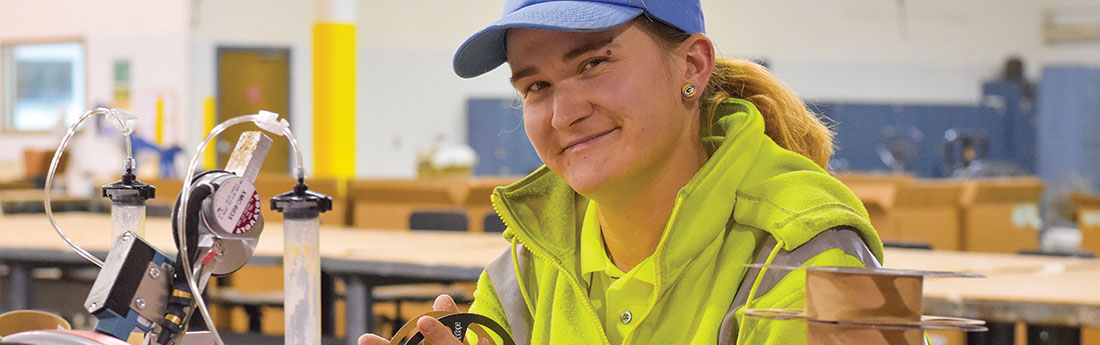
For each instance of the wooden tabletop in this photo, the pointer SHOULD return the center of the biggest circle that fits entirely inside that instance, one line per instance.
(35, 196)
(1018, 287)
(92, 232)
(1029, 288)
(20, 183)
(1023, 278)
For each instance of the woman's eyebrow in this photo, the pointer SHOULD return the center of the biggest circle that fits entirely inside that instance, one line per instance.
(584, 47)
(526, 71)
(588, 46)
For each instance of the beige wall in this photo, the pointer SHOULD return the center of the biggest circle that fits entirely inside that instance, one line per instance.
(847, 50)
(252, 23)
(149, 34)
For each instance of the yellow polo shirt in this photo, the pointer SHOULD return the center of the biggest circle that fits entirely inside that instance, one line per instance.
(620, 299)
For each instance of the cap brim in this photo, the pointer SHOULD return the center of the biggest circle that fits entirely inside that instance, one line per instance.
(485, 50)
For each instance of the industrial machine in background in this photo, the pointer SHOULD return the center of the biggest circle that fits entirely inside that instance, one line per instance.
(966, 155)
(898, 146)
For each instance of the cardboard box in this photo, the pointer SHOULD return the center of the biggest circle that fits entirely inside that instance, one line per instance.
(927, 212)
(1090, 336)
(387, 203)
(1001, 215)
(1088, 220)
(36, 163)
(878, 192)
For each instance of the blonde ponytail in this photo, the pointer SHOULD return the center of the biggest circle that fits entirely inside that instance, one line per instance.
(787, 121)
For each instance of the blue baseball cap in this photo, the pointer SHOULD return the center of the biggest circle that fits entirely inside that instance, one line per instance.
(485, 50)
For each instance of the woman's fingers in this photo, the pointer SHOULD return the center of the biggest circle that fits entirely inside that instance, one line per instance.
(371, 339)
(435, 332)
(445, 303)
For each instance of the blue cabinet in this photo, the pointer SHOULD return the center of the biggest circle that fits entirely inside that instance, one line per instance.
(863, 131)
(1069, 127)
(495, 131)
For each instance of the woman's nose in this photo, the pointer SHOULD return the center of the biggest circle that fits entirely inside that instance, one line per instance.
(571, 105)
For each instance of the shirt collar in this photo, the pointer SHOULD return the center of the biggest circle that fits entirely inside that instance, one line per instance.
(594, 258)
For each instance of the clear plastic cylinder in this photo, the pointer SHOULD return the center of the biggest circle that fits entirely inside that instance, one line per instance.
(302, 280)
(127, 218)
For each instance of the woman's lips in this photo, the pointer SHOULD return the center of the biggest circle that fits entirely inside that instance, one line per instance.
(587, 141)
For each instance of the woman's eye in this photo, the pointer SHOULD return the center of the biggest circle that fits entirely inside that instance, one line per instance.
(538, 85)
(593, 63)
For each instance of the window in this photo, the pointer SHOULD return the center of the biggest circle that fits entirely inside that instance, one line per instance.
(43, 83)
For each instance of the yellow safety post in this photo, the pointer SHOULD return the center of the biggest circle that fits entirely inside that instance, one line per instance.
(334, 99)
(209, 118)
(159, 137)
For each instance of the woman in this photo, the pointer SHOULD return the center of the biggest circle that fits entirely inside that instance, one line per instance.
(667, 171)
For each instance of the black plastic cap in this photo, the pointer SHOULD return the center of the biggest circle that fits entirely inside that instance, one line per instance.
(129, 191)
(301, 203)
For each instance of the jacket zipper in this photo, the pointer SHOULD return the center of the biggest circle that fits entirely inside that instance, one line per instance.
(656, 274)
(504, 217)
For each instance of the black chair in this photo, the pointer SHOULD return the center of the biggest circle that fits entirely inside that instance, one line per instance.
(439, 220)
(999, 333)
(1055, 335)
(1080, 254)
(435, 220)
(492, 223)
(1004, 333)
(906, 245)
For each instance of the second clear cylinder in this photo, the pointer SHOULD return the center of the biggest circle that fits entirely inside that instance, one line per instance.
(302, 281)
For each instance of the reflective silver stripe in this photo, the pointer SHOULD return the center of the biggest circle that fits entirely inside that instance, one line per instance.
(844, 239)
(502, 273)
(727, 333)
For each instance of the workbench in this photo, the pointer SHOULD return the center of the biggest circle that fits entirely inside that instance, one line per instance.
(1030, 289)
(364, 259)
(29, 200)
(1018, 288)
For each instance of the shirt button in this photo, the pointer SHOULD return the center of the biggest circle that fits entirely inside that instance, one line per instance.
(625, 317)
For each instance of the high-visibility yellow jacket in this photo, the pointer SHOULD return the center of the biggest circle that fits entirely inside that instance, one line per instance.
(752, 202)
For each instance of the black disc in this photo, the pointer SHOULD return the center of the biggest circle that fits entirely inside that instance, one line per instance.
(459, 323)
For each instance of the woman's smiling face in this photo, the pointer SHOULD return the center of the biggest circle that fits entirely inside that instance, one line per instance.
(602, 109)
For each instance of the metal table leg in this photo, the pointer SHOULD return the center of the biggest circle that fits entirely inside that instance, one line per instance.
(20, 286)
(328, 301)
(360, 308)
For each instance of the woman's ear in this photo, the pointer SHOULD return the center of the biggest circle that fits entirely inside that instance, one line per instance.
(698, 53)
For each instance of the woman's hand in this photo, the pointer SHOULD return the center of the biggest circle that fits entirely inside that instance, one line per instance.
(434, 332)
